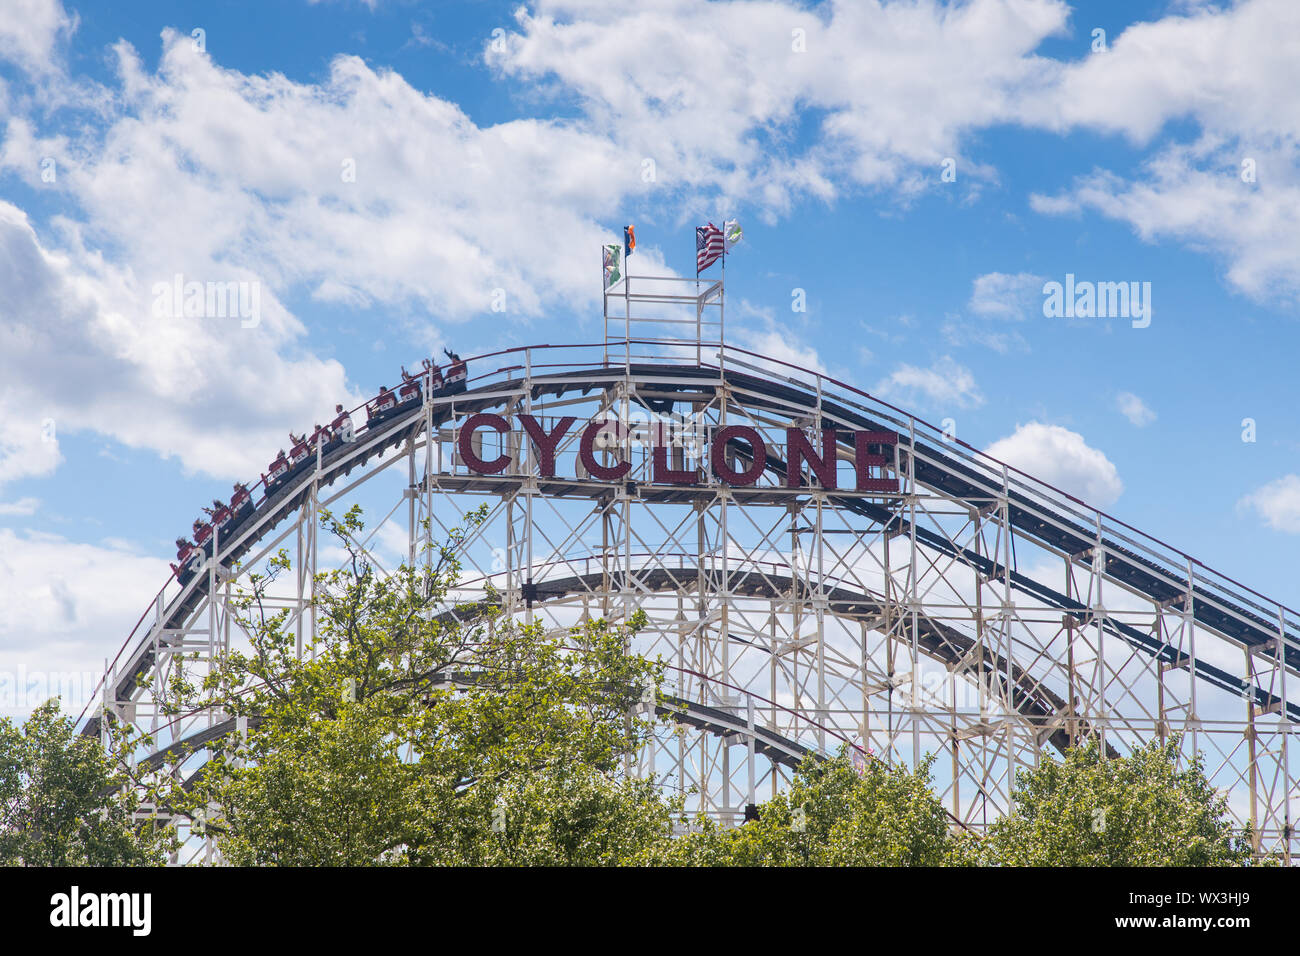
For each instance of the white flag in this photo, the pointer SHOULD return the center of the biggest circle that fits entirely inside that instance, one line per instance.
(731, 232)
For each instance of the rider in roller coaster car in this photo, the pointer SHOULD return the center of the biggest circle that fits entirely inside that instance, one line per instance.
(220, 516)
(436, 383)
(185, 566)
(457, 373)
(384, 403)
(340, 433)
(297, 450)
(202, 534)
(241, 502)
(410, 390)
(276, 471)
(340, 429)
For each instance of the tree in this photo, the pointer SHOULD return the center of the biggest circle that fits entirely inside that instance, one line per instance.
(417, 730)
(63, 800)
(1145, 809)
(833, 814)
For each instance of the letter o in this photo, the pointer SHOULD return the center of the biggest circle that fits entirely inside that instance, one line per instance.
(466, 443)
(718, 455)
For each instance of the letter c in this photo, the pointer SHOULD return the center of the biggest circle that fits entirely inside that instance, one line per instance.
(588, 455)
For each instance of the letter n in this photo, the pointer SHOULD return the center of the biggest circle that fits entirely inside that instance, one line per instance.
(799, 450)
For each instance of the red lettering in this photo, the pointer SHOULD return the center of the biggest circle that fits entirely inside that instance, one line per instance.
(864, 460)
(466, 443)
(667, 475)
(799, 450)
(587, 453)
(718, 455)
(546, 444)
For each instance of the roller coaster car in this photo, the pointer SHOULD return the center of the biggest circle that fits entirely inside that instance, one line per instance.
(384, 406)
(340, 432)
(300, 456)
(241, 506)
(220, 515)
(190, 561)
(437, 385)
(277, 472)
(203, 536)
(457, 375)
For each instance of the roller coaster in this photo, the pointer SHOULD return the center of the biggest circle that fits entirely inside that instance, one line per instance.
(951, 605)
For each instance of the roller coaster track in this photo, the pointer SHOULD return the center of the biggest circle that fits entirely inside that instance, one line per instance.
(1234, 619)
(1047, 517)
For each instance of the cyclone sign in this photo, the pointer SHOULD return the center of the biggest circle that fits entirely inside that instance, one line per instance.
(604, 435)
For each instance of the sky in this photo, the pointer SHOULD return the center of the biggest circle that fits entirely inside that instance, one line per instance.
(394, 177)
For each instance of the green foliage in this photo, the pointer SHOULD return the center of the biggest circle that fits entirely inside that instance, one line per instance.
(833, 814)
(396, 733)
(62, 802)
(416, 730)
(1138, 810)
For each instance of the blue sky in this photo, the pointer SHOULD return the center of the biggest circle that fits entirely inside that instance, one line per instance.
(501, 160)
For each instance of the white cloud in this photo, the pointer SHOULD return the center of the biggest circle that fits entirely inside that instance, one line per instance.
(1134, 409)
(1229, 72)
(755, 329)
(65, 607)
(29, 32)
(1001, 295)
(713, 92)
(435, 222)
(944, 385)
(1222, 67)
(23, 507)
(957, 332)
(443, 215)
(75, 353)
(29, 444)
(1063, 459)
(1278, 503)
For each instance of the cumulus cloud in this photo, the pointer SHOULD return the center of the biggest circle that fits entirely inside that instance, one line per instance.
(1234, 189)
(306, 189)
(957, 332)
(1277, 503)
(66, 605)
(75, 354)
(996, 298)
(1134, 409)
(29, 445)
(1061, 458)
(943, 385)
(713, 92)
(1000, 295)
(214, 176)
(755, 329)
(30, 31)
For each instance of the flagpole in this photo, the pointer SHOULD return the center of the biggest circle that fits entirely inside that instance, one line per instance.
(699, 358)
(722, 294)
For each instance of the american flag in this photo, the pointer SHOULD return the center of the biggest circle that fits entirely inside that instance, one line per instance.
(709, 246)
